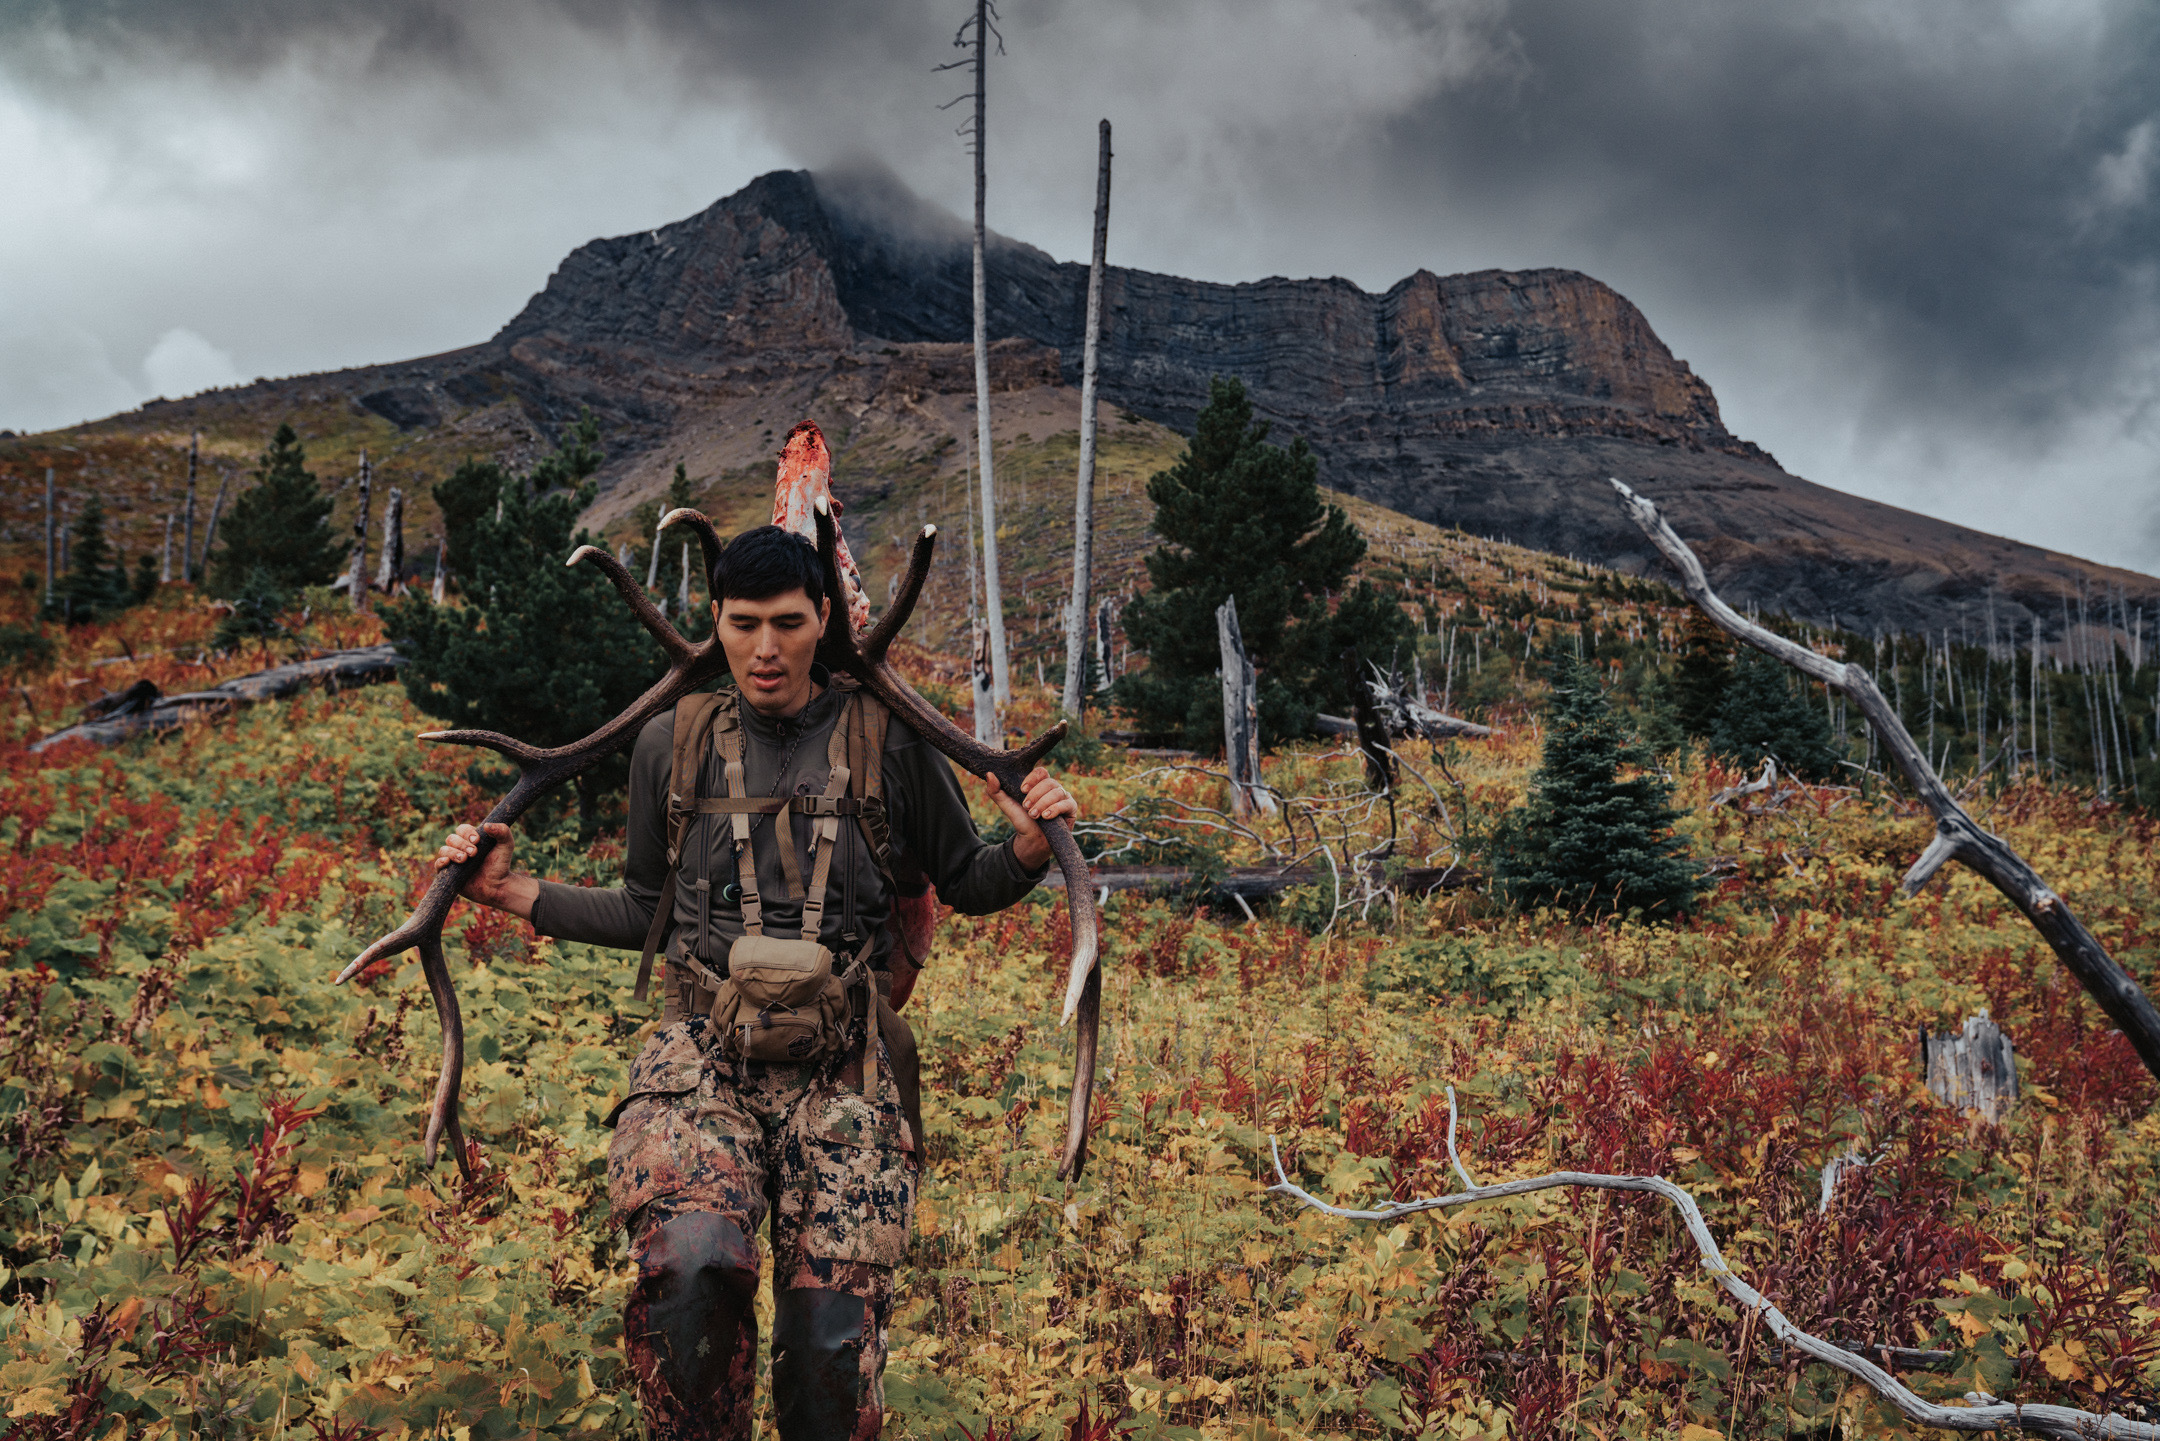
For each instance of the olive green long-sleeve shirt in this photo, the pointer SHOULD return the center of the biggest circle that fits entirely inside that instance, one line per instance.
(929, 820)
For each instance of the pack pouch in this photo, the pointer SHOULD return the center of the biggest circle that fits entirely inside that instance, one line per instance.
(781, 1001)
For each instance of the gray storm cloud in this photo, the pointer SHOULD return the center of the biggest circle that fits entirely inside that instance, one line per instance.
(1913, 244)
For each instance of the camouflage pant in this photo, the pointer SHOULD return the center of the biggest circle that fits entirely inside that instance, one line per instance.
(701, 1157)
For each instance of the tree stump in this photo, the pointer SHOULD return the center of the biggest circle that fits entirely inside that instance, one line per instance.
(1973, 1069)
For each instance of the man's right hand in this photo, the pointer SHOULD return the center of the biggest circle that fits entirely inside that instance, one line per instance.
(495, 884)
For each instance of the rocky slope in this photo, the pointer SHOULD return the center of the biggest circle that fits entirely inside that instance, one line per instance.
(1496, 402)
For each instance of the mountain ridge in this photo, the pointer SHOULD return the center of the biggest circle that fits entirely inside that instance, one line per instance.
(1495, 401)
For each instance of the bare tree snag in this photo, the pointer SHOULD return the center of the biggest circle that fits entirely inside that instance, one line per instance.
(52, 531)
(1982, 1413)
(357, 584)
(217, 508)
(435, 592)
(1077, 609)
(1240, 717)
(1957, 835)
(391, 573)
(977, 33)
(1102, 643)
(165, 553)
(187, 529)
(1972, 1069)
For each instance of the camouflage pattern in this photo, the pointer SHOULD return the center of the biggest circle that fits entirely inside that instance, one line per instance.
(834, 1171)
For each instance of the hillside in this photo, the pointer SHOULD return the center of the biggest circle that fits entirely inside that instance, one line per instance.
(214, 1220)
(1495, 402)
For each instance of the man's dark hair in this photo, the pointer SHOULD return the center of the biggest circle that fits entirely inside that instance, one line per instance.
(768, 561)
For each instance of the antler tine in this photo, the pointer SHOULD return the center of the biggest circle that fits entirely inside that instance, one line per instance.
(896, 615)
(648, 614)
(1030, 755)
(708, 539)
(443, 1111)
(524, 755)
(1083, 978)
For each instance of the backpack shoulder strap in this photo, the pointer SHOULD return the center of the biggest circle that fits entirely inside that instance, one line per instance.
(866, 723)
(695, 716)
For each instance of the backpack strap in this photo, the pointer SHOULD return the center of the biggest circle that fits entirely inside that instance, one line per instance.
(694, 719)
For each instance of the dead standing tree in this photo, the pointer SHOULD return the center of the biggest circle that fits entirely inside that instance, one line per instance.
(1957, 835)
(976, 34)
(1077, 610)
(1240, 717)
(692, 667)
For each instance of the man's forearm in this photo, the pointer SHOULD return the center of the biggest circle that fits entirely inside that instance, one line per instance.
(516, 895)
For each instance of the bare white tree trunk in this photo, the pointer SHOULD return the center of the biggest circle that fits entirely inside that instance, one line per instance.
(165, 553)
(1078, 613)
(682, 600)
(358, 586)
(187, 528)
(435, 593)
(390, 574)
(1241, 717)
(993, 589)
(982, 683)
(652, 567)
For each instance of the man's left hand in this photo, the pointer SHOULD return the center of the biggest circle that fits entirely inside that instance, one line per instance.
(1041, 799)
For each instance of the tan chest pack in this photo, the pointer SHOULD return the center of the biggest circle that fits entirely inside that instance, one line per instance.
(781, 1000)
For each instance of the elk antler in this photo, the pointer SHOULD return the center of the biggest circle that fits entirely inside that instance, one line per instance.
(866, 662)
(689, 667)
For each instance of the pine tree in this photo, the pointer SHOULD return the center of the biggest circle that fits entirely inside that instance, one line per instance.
(280, 526)
(1764, 713)
(539, 650)
(257, 614)
(95, 586)
(1238, 516)
(1699, 680)
(1591, 839)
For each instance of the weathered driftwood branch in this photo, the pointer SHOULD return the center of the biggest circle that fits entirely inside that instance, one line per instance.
(1989, 1415)
(1957, 835)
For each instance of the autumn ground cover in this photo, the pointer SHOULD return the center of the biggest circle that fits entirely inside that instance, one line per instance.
(214, 1220)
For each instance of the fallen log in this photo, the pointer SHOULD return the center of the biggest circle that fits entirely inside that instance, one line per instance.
(141, 710)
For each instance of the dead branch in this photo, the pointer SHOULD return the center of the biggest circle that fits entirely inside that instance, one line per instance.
(1987, 1415)
(1761, 783)
(1957, 835)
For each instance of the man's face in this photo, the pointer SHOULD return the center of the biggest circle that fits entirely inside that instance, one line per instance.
(769, 646)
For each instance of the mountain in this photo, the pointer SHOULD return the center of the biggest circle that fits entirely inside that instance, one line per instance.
(1496, 402)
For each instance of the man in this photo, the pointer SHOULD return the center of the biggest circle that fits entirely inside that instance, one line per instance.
(712, 1137)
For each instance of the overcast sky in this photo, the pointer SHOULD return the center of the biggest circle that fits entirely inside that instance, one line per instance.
(1914, 245)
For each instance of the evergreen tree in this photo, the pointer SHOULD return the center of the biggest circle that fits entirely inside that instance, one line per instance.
(466, 498)
(538, 650)
(257, 613)
(1763, 712)
(1590, 839)
(281, 525)
(1238, 516)
(1699, 680)
(95, 586)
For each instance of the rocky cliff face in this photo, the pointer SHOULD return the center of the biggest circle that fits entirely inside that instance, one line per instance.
(1497, 401)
